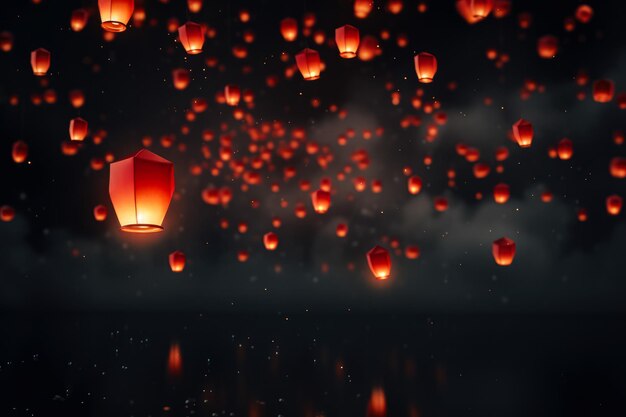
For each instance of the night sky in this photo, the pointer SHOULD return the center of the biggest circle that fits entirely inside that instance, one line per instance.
(56, 256)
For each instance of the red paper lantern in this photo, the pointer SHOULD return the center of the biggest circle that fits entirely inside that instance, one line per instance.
(191, 37)
(7, 213)
(480, 8)
(180, 78)
(414, 184)
(603, 91)
(547, 46)
(270, 241)
(309, 64)
(289, 29)
(100, 213)
(79, 19)
(501, 193)
(565, 149)
(232, 93)
(379, 262)
(141, 188)
(19, 152)
(347, 40)
(614, 204)
(115, 14)
(523, 133)
(40, 61)
(503, 251)
(341, 230)
(617, 167)
(78, 129)
(321, 201)
(362, 8)
(425, 67)
(177, 261)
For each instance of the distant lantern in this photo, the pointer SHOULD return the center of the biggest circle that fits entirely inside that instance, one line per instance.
(79, 19)
(321, 201)
(414, 184)
(362, 8)
(289, 29)
(341, 230)
(77, 98)
(174, 361)
(78, 129)
(503, 251)
(191, 37)
(115, 14)
(603, 91)
(425, 67)
(347, 40)
(565, 149)
(584, 13)
(194, 5)
(40, 61)
(100, 213)
(180, 78)
(19, 151)
(412, 252)
(480, 8)
(6, 41)
(270, 241)
(441, 204)
(309, 64)
(379, 262)
(232, 94)
(177, 261)
(501, 193)
(547, 46)
(523, 133)
(7, 213)
(614, 204)
(377, 405)
(617, 167)
(141, 188)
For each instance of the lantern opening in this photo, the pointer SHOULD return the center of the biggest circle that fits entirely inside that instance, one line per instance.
(113, 26)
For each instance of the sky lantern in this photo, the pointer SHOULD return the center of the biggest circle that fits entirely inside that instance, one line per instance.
(565, 149)
(603, 91)
(78, 129)
(547, 46)
(191, 36)
(584, 13)
(77, 98)
(425, 67)
(523, 133)
(414, 184)
(463, 7)
(480, 8)
(194, 5)
(501, 193)
(174, 361)
(7, 213)
(79, 19)
(379, 262)
(40, 61)
(270, 241)
(441, 204)
(289, 29)
(309, 64)
(412, 252)
(617, 167)
(582, 215)
(232, 93)
(100, 213)
(347, 40)
(6, 41)
(180, 78)
(141, 188)
(321, 201)
(19, 151)
(362, 8)
(614, 204)
(341, 230)
(115, 14)
(503, 251)
(177, 261)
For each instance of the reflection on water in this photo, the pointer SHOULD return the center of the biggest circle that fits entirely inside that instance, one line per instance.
(342, 365)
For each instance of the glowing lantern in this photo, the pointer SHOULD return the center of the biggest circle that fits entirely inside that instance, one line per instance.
(362, 8)
(523, 133)
(503, 251)
(194, 5)
(603, 91)
(377, 405)
(19, 152)
(414, 184)
(100, 213)
(177, 261)
(40, 61)
(270, 240)
(191, 37)
(309, 64)
(180, 77)
(584, 13)
(6, 41)
(289, 29)
(501, 193)
(232, 95)
(77, 98)
(321, 201)
(174, 361)
(582, 215)
(441, 204)
(78, 129)
(341, 230)
(480, 8)
(614, 204)
(141, 188)
(425, 67)
(7, 213)
(115, 14)
(617, 167)
(79, 19)
(379, 262)
(547, 46)
(347, 40)
(412, 252)
(565, 149)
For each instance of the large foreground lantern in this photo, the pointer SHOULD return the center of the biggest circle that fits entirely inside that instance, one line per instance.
(503, 251)
(191, 36)
(141, 188)
(523, 133)
(309, 64)
(425, 67)
(40, 61)
(379, 262)
(115, 14)
(347, 40)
